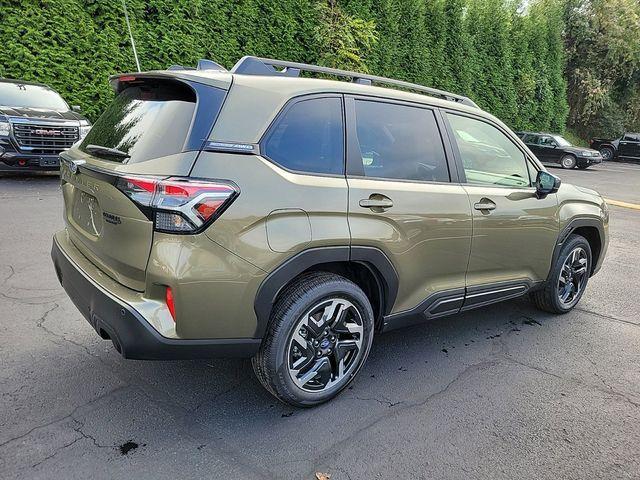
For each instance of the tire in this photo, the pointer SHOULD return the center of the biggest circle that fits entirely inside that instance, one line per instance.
(568, 162)
(549, 298)
(319, 336)
(607, 154)
(584, 166)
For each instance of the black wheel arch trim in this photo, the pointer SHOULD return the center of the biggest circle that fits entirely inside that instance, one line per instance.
(571, 227)
(373, 258)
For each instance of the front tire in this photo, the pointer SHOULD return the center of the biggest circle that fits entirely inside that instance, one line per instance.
(568, 162)
(607, 153)
(568, 277)
(320, 333)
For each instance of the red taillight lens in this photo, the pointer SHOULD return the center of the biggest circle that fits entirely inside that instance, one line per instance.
(170, 303)
(179, 205)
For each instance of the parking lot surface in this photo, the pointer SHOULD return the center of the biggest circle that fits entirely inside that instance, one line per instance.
(501, 392)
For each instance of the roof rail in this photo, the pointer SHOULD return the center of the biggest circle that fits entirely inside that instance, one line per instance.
(250, 65)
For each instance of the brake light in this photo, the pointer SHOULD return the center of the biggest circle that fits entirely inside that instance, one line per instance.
(179, 205)
(170, 303)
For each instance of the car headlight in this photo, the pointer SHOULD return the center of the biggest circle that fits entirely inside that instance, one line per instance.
(586, 154)
(84, 129)
(5, 128)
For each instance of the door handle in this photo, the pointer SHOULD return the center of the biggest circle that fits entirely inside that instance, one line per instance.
(484, 204)
(376, 202)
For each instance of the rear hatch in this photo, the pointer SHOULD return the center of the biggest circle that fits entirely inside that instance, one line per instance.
(153, 130)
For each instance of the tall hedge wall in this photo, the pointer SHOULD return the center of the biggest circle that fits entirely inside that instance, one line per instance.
(509, 61)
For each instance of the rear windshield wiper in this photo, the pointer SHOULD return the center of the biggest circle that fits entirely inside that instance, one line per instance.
(99, 150)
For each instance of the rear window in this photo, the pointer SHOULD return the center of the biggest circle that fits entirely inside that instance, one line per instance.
(146, 120)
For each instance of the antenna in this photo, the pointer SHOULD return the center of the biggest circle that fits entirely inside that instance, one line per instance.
(133, 43)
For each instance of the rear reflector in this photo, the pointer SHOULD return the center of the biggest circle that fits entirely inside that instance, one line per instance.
(170, 303)
(179, 205)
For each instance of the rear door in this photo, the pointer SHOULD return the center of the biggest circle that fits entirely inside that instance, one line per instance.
(153, 128)
(514, 231)
(403, 199)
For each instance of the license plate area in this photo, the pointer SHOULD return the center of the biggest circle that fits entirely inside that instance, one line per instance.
(49, 162)
(86, 213)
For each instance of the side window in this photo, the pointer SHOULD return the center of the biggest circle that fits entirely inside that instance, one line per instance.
(547, 141)
(309, 137)
(489, 157)
(530, 139)
(631, 137)
(400, 142)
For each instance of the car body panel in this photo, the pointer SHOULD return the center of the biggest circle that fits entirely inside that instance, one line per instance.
(426, 234)
(315, 205)
(516, 239)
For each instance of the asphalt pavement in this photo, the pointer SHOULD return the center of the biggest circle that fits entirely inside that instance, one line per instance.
(498, 393)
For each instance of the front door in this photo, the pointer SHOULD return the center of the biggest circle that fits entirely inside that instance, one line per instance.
(629, 145)
(402, 200)
(514, 231)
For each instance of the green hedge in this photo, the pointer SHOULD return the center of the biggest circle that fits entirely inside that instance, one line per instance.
(509, 62)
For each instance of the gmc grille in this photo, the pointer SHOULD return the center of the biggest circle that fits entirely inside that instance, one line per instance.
(45, 139)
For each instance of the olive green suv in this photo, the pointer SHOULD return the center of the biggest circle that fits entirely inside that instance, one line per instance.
(262, 213)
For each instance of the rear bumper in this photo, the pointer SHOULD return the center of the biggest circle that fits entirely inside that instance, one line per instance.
(131, 334)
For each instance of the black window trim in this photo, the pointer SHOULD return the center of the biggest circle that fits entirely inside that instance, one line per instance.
(510, 135)
(285, 108)
(354, 159)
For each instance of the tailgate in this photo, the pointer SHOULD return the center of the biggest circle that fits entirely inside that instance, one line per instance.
(107, 227)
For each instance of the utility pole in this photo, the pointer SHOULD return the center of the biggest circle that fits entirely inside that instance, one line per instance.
(133, 43)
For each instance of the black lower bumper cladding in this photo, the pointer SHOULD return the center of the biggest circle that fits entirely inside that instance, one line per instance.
(131, 334)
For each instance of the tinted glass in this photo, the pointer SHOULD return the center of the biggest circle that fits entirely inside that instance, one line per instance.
(529, 138)
(146, 120)
(400, 142)
(631, 137)
(547, 141)
(489, 157)
(31, 96)
(309, 137)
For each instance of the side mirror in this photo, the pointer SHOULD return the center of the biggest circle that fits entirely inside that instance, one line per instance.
(76, 108)
(546, 183)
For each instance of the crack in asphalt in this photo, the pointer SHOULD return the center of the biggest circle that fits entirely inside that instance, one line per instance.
(607, 317)
(608, 390)
(65, 417)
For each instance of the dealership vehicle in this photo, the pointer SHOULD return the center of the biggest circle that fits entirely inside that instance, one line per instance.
(627, 146)
(36, 124)
(257, 213)
(554, 149)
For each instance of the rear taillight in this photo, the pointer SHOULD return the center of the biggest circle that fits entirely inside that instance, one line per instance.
(179, 205)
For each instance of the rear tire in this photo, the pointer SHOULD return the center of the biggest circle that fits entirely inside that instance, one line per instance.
(568, 277)
(319, 336)
(568, 162)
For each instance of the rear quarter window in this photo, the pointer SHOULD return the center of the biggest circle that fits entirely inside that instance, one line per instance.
(308, 137)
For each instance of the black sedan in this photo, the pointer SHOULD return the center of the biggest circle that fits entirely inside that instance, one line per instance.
(551, 148)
